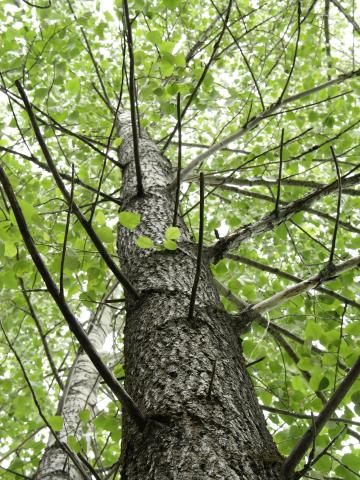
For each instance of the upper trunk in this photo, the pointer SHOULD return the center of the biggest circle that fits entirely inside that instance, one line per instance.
(188, 375)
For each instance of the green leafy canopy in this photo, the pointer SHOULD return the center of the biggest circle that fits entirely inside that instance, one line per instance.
(75, 86)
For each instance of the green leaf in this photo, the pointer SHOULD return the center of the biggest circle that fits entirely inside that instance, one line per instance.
(144, 242)
(129, 219)
(170, 245)
(84, 415)
(117, 142)
(105, 234)
(166, 68)
(180, 60)
(74, 444)
(172, 233)
(171, 4)
(73, 85)
(56, 422)
(324, 383)
(154, 37)
(10, 249)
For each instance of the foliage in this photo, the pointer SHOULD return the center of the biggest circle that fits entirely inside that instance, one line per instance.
(173, 41)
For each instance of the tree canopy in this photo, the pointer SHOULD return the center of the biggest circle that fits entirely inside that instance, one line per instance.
(263, 99)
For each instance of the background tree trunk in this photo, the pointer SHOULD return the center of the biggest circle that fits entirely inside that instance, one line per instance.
(80, 393)
(199, 431)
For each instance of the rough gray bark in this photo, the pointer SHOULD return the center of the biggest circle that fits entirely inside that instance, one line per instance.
(188, 376)
(80, 393)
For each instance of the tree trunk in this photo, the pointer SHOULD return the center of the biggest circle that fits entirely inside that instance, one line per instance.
(79, 394)
(189, 376)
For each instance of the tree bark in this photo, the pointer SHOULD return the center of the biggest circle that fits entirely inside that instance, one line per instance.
(80, 393)
(188, 376)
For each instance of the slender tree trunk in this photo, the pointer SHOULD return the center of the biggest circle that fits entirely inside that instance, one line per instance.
(188, 375)
(79, 394)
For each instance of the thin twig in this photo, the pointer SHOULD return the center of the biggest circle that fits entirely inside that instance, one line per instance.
(200, 249)
(295, 52)
(202, 77)
(67, 226)
(258, 360)
(41, 334)
(349, 18)
(304, 416)
(89, 50)
(338, 208)
(247, 63)
(178, 183)
(276, 209)
(339, 344)
(323, 452)
(62, 445)
(37, 6)
(92, 211)
(134, 125)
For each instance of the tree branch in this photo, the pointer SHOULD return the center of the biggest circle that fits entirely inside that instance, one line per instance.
(254, 121)
(348, 17)
(42, 335)
(304, 416)
(178, 183)
(271, 220)
(338, 209)
(264, 322)
(202, 77)
(134, 120)
(64, 176)
(200, 249)
(291, 277)
(86, 225)
(72, 321)
(301, 287)
(276, 209)
(334, 401)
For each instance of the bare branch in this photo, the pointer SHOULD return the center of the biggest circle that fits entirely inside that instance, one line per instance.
(350, 19)
(338, 208)
(271, 220)
(202, 77)
(291, 277)
(254, 121)
(86, 225)
(134, 120)
(200, 249)
(334, 401)
(67, 226)
(178, 183)
(276, 209)
(294, 290)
